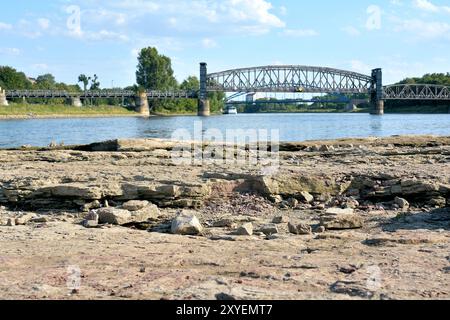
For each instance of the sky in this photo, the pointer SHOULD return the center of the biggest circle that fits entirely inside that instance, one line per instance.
(69, 37)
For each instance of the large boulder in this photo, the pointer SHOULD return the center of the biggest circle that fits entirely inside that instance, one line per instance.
(341, 219)
(186, 224)
(245, 230)
(121, 216)
(299, 229)
(135, 205)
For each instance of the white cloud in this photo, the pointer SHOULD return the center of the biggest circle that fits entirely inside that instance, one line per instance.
(359, 66)
(104, 35)
(209, 43)
(40, 66)
(10, 51)
(425, 5)
(5, 26)
(43, 23)
(141, 6)
(300, 33)
(428, 6)
(352, 31)
(424, 29)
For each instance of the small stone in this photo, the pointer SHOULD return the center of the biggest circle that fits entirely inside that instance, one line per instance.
(92, 216)
(135, 205)
(269, 229)
(402, 203)
(186, 224)
(351, 204)
(292, 202)
(92, 205)
(280, 220)
(300, 229)
(11, 222)
(224, 223)
(326, 148)
(276, 199)
(245, 230)
(306, 197)
(320, 229)
(90, 224)
(39, 220)
(439, 202)
(339, 211)
(24, 219)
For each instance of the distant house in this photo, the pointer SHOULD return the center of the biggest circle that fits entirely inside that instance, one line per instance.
(32, 80)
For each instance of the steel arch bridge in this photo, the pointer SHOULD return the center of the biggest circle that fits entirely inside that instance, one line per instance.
(416, 92)
(289, 79)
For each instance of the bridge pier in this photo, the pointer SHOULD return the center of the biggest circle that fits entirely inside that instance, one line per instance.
(203, 102)
(378, 108)
(142, 104)
(3, 101)
(377, 93)
(76, 102)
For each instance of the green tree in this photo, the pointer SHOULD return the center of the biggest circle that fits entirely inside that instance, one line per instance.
(95, 84)
(46, 81)
(154, 71)
(190, 84)
(10, 78)
(84, 80)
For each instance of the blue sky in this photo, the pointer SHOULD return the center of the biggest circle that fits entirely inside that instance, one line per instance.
(404, 37)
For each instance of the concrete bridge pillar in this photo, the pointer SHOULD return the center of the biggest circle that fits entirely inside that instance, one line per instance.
(203, 102)
(3, 101)
(377, 94)
(142, 104)
(76, 102)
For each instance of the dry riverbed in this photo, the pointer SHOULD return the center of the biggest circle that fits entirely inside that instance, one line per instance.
(347, 219)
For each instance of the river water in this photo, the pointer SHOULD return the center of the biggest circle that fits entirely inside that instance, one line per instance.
(291, 127)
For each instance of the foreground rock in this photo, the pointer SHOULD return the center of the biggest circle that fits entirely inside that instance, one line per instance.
(300, 229)
(118, 216)
(341, 219)
(186, 224)
(245, 230)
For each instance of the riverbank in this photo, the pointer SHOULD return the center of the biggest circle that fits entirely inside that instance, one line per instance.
(342, 219)
(27, 111)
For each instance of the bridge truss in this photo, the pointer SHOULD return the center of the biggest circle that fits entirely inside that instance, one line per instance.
(289, 79)
(416, 92)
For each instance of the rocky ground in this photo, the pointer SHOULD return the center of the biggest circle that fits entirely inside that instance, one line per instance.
(347, 219)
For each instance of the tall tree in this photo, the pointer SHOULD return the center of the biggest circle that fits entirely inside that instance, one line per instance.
(84, 80)
(154, 71)
(190, 84)
(46, 81)
(10, 78)
(95, 83)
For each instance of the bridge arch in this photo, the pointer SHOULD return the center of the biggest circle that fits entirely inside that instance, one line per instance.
(290, 78)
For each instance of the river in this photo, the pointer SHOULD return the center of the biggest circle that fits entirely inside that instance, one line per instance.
(292, 127)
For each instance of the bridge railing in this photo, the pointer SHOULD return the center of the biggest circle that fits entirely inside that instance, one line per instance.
(151, 94)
